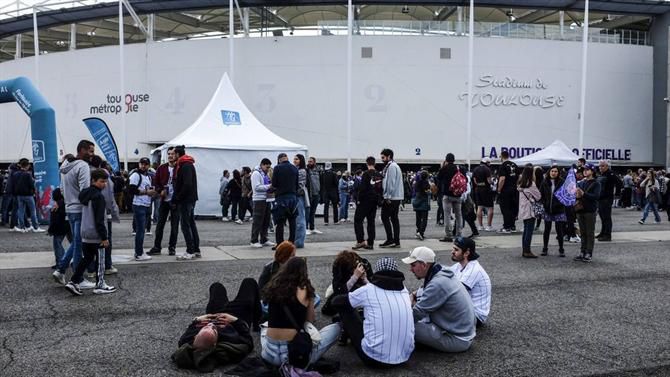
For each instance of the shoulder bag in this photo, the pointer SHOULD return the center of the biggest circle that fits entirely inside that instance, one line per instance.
(300, 347)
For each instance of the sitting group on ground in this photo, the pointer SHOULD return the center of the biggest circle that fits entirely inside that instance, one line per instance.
(369, 305)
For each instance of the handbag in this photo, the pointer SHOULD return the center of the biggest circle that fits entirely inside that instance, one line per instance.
(537, 208)
(300, 347)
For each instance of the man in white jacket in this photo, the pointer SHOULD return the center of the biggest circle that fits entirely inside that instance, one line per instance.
(393, 196)
(260, 184)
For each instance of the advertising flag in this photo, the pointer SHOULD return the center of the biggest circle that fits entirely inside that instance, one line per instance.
(103, 137)
(566, 194)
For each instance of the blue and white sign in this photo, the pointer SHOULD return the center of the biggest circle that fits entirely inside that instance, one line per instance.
(103, 137)
(39, 154)
(231, 118)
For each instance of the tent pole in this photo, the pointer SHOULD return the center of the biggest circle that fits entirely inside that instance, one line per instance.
(350, 28)
(122, 82)
(231, 50)
(36, 44)
(585, 47)
(471, 42)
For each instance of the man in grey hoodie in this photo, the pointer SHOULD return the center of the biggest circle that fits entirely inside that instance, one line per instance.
(443, 312)
(75, 176)
(394, 194)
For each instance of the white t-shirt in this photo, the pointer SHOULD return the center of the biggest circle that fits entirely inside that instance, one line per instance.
(169, 187)
(477, 281)
(388, 327)
(143, 182)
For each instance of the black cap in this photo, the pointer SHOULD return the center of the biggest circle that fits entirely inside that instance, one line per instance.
(145, 160)
(468, 244)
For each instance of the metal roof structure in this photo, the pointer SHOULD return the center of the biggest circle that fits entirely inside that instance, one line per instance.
(96, 21)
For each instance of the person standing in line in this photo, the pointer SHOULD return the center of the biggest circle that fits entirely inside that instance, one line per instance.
(234, 189)
(24, 191)
(507, 193)
(554, 210)
(608, 184)
(143, 190)
(588, 194)
(93, 234)
(528, 194)
(652, 193)
(247, 192)
(393, 195)
(164, 182)
(343, 187)
(223, 195)
(483, 194)
(450, 199)
(314, 194)
(185, 196)
(329, 193)
(627, 191)
(75, 176)
(421, 203)
(366, 206)
(302, 195)
(260, 184)
(285, 185)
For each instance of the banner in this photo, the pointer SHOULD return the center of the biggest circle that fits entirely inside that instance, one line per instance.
(566, 194)
(103, 137)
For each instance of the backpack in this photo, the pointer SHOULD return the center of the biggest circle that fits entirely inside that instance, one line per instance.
(459, 184)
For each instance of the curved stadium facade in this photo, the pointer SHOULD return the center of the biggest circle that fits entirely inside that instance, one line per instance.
(409, 72)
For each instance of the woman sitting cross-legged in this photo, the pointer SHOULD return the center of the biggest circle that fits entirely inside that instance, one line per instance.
(290, 297)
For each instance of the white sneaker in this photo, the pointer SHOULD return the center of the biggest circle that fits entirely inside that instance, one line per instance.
(316, 231)
(480, 228)
(111, 271)
(185, 256)
(256, 245)
(238, 222)
(85, 284)
(488, 229)
(38, 230)
(105, 289)
(142, 258)
(575, 239)
(269, 243)
(133, 233)
(58, 277)
(18, 230)
(225, 219)
(147, 233)
(308, 232)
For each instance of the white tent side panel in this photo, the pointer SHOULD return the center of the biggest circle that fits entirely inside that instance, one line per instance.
(210, 164)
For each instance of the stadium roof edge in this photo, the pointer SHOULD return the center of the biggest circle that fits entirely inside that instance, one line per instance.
(64, 16)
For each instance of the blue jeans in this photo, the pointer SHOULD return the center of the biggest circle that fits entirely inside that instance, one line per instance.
(528, 229)
(73, 252)
(275, 352)
(301, 224)
(344, 206)
(59, 251)
(140, 216)
(26, 201)
(654, 208)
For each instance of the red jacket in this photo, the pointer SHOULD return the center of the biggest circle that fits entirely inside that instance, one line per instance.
(162, 177)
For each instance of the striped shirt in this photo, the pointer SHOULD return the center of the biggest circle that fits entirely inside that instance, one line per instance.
(477, 281)
(388, 327)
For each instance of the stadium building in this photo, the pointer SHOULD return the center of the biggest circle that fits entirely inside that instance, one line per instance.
(409, 74)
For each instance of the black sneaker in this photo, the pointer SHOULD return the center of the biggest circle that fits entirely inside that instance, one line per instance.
(154, 251)
(369, 247)
(579, 257)
(586, 258)
(74, 289)
(544, 252)
(394, 245)
(605, 239)
(561, 253)
(172, 251)
(386, 244)
(446, 239)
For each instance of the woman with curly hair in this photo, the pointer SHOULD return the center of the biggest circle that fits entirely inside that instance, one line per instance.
(291, 290)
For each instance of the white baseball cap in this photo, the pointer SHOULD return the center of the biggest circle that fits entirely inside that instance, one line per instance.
(420, 254)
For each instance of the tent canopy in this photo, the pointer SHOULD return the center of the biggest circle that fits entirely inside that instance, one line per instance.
(227, 123)
(226, 136)
(555, 153)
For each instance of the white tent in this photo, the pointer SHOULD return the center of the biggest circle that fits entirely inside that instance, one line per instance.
(555, 153)
(226, 136)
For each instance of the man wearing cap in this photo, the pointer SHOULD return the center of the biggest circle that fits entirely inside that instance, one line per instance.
(141, 187)
(473, 276)
(444, 315)
(482, 179)
(386, 336)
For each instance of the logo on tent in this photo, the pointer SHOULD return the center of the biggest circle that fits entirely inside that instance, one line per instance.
(230, 118)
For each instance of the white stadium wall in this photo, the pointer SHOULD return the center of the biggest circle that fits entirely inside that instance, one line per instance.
(404, 97)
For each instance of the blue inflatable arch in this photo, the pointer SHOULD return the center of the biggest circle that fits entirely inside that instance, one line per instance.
(43, 130)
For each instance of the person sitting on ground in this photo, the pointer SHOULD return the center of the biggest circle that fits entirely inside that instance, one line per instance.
(385, 338)
(222, 335)
(473, 277)
(290, 297)
(443, 312)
